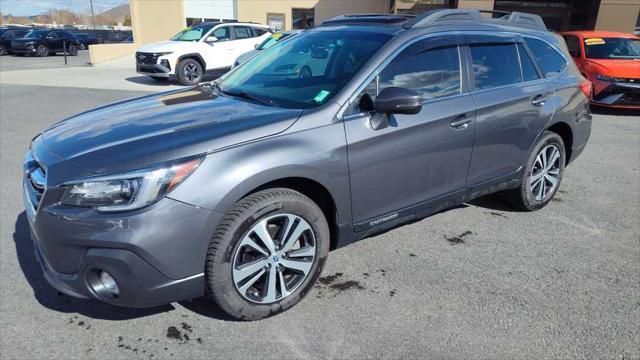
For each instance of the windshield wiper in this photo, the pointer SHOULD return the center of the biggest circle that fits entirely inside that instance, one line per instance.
(246, 95)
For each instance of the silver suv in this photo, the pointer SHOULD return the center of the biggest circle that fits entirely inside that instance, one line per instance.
(238, 189)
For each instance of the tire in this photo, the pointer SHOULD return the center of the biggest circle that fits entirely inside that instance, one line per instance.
(531, 195)
(159, 79)
(189, 72)
(305, 72)
(73, 50)
(43, 51)
(83, 46)
(247, 295)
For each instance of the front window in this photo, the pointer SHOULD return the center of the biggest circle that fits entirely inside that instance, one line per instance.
(612, 48)
(36, 34)
(194, 33)
(307, 70)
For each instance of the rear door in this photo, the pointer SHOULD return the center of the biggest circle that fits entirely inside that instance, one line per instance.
(418, 159)
(514, 102)
(244, 40)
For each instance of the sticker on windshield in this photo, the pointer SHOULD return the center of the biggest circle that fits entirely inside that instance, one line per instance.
(321, 96)
(277, 36)
(594, 41)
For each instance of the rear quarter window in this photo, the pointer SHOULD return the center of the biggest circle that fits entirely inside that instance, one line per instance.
(548, 58)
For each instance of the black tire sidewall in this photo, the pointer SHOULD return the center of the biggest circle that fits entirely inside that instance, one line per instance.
(219, 278)
(548, 138)
(180, 72)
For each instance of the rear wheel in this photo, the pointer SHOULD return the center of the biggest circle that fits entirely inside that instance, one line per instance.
(266, 254)
(189, 72)
(73, 50)
(543, 174)
(42, 50)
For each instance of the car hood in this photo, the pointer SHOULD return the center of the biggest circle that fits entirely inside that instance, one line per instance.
(167, 46)
(162, 127)
(618, 68)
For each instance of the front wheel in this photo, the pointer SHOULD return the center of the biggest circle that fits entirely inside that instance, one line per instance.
(542, 176)
(42, 50)
(189, 72)
(266, 254)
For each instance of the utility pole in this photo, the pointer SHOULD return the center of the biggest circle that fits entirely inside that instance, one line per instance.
(93, 19)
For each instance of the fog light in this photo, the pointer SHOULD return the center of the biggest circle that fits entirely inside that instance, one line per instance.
(165, 63)
(109, 283)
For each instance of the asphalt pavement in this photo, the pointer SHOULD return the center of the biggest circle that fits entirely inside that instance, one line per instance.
(479, 281)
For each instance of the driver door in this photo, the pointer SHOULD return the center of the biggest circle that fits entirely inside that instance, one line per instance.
(219, 53)
(418, 159)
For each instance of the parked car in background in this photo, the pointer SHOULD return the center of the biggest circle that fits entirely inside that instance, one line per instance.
(45, 42)
(237, 189)
(206, 47)
(8, 35)
(128, 39)
(267, 43)
(85, 40)
(611, 61)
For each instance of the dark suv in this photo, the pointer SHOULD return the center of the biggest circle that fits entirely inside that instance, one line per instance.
(45, 42)
(8, 35)
(237, 189)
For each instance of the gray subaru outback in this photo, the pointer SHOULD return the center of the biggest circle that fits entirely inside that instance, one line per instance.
(237, 190)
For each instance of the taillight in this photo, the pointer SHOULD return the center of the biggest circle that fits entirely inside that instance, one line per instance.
(587, 88)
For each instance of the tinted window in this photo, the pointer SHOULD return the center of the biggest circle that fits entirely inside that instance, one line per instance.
(221, 33)
(242, 32)
(549, 60)
(259, 31)
(573, 44)
(528, 69)
(433, 73)
(495, 65)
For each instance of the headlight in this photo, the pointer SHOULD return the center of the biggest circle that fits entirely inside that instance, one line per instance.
(161, 54)
(127, 191)
(607, 78)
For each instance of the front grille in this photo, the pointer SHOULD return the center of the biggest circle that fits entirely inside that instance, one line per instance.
(630, 99)
(18, 44)
(35, 182)
(146, 58)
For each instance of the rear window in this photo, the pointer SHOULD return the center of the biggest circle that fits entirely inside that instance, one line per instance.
(549, 60)
(495, 65)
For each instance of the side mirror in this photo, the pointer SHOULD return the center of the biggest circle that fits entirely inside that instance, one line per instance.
(211, 39)
(394, 100)
(397, 100)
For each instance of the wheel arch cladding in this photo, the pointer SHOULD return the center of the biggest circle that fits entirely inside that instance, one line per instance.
(317, 192)
(195, 57)
(566, 133)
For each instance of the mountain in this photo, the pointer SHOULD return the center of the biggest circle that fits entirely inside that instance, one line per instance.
(118, 12)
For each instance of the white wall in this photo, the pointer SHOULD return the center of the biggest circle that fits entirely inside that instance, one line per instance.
(210, 9)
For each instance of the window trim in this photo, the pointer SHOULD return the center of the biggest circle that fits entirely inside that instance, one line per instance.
(449, 42)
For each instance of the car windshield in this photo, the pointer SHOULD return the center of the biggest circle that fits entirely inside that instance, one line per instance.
(36, 34)
(305, 71)
(612, 48)
(193, 33)
(272, 40)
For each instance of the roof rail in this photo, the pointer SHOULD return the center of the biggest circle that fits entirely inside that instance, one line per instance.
(367, 19)
(440, 16)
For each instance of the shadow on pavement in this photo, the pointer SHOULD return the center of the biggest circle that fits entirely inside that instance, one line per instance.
(50, 298)
(493, 202)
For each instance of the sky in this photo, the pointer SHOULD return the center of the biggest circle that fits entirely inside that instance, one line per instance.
(37, 7)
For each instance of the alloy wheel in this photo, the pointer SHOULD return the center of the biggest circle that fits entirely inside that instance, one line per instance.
(191, 72)
(545, 174)
(274, 258)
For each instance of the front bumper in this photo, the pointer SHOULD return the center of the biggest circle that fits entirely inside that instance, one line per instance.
(156, 254)
(619, 94)
(27, 50)
(155, 70)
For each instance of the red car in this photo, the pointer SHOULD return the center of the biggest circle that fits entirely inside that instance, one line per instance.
(611, 61)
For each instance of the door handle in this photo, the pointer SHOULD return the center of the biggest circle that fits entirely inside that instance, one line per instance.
(539, 100)
(461, 122)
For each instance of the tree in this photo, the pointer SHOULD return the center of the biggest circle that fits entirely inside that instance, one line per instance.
(127, 21)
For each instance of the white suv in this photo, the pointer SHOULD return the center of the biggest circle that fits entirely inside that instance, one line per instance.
(209, 46)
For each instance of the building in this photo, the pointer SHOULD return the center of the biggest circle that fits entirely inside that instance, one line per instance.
(157, 20)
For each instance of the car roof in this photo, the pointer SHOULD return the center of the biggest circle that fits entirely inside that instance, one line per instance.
(588, 34)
